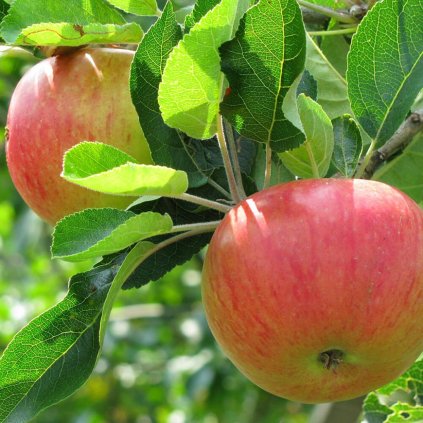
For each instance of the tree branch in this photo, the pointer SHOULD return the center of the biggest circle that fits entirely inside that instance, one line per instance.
(404, 135)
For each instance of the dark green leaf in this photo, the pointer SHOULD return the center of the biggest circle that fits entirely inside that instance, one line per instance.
(385, 66)
(166, 259)
(168, 146)
(4, 8)
(24, 13)
(54, 355)
(97, 232)
(261, 63)
(307, 85)
(348, 145)
(200, 9)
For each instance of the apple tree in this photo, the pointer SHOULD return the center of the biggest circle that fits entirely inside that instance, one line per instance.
(288, 133)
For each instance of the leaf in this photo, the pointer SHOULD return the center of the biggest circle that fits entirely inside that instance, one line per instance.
(331, 85)
(348, 145)
(405, 171)
(192, 82)
(56, 352)
(178, 253)
(98, 232)
(106, 169)
(336, 48)
(4, 8)
(25, 13)
(312, 159)
(261, 63)
(66, 34)
(385, 66)
(201, 8)
(133, 259)
(390, 410)
(167, 145)
(136, 7)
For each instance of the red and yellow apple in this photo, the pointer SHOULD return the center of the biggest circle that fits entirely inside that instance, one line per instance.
(61, 101)
(314, 288)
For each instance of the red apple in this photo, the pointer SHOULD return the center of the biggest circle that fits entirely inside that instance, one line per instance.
(60, 102)
(314, 288)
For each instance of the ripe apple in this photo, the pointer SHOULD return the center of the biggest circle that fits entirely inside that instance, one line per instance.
(61, 101)
(314, 288)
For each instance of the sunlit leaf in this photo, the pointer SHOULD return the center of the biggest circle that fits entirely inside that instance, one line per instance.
(385, 66)
(99, 232)
(192, 82)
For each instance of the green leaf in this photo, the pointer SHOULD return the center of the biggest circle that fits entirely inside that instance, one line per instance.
(391, 410)
(99, 232)
(136, 7)
(164, 260)
(200, 9)
(192, 82)
(4, 8)
(106, 169)
(261, 63)
(385, 66)
(405, 171)
(167, 145)
(56, 352)
(348, 145)
(66, 34)
(25, 13)
(135, 258)
(312, 159)
(331, 85)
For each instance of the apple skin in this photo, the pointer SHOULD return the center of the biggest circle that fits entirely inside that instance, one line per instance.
(313, 266)
(61, 101)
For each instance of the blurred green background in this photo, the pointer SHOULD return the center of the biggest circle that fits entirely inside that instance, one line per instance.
(160, 362)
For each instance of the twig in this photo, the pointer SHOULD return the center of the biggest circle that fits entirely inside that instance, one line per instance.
(404, 135)
(327, 11)
(202, 202)
(342, 31)
(234, 156)
(268, 169)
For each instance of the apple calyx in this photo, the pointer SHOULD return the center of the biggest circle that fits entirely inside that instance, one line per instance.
(331, 359)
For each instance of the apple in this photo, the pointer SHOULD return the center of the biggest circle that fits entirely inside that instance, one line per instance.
(61, 101)
(314, 288)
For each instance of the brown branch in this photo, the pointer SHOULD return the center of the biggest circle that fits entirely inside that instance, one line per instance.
(404, 135)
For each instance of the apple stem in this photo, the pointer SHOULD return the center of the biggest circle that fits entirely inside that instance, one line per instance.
(204, 227)
(327, 11)
(268, 169)
(203, 202)
(233, 186)
(233, 150)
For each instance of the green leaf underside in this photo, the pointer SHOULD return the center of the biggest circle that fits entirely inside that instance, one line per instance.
(331, 85)
(385, 69)
(312, 159)
(98, 232)
(200, 9)
(89, 158)
(71, 35)
(136, 7)
(25, 13)
(56, 352)
(405, 171)
(192, 82)
(108, 170)
(133, 259)
(411, 384)
(348, 145)
(167, 145)
(261, 63)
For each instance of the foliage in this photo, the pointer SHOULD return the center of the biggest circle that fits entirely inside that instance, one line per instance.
(244, 96)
